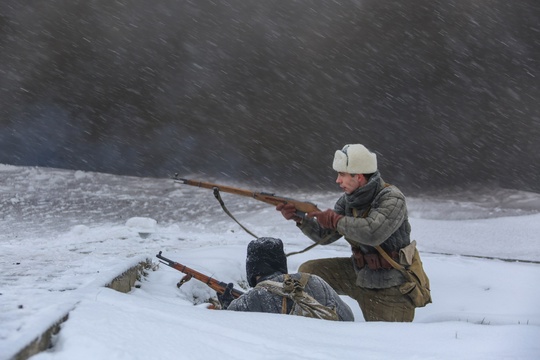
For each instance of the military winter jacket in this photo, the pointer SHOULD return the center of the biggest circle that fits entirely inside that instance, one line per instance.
(375, 214)
(259, 299)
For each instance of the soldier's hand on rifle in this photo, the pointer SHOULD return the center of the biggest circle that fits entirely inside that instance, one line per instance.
(288, 211)
(328, 219)
(226, 298)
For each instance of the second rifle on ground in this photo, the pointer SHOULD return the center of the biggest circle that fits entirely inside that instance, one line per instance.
(216, 285)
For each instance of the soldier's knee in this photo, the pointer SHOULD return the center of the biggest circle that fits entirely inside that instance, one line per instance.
(308, 267)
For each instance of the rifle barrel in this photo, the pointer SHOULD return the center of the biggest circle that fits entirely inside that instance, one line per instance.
(269, 198)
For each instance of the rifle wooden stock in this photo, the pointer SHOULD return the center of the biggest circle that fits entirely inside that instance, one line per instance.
(301, 206)
(216, 285)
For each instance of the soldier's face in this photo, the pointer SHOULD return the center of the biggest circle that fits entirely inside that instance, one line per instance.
(348, 183)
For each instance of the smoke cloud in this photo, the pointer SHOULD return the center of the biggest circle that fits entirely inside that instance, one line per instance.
(445, 92)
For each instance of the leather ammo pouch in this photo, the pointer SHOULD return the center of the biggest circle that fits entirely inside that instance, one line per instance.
(358, 257)
(372, 261)
(417, 285)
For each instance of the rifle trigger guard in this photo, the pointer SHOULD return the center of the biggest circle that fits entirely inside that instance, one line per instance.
(184, 280)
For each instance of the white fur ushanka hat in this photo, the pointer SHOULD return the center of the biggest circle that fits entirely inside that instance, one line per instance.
(355, 159)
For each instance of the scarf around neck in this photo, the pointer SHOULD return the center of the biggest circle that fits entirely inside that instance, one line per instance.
(363, 196)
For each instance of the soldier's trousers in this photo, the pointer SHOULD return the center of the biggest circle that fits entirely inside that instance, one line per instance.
(376, 304)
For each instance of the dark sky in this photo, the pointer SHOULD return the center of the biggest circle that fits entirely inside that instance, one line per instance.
(445, 92)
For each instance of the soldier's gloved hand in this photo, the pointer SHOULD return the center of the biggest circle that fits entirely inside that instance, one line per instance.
(226, 298)
(328, 219)
(289, 212)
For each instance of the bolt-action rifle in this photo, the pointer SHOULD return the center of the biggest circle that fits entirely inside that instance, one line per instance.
(216, 285)
(301, 206)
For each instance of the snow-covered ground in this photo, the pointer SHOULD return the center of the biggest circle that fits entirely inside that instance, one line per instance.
(64, 234)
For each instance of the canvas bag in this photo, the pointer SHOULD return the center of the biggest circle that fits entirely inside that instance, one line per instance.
(303, 303)
(417, 285)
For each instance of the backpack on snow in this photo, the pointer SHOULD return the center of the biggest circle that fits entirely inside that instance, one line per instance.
(303, 303)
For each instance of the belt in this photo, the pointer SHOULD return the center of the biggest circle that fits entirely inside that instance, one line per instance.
(373, 261)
